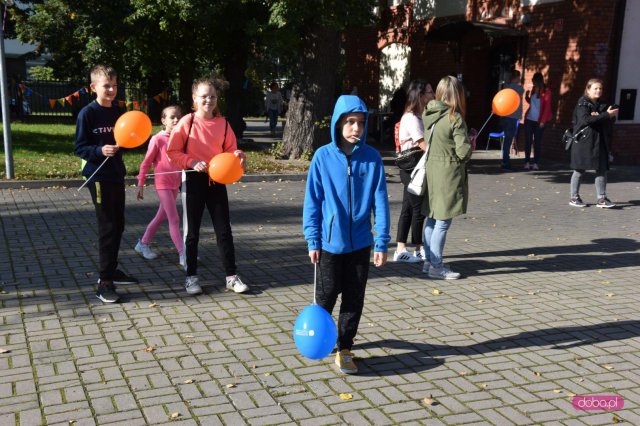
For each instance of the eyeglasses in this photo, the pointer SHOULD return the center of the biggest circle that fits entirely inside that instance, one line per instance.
(211, 98)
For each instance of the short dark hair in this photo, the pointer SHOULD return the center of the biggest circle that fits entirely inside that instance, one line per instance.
(102, 71)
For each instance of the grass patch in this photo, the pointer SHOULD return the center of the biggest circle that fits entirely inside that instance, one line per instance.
(45, 151)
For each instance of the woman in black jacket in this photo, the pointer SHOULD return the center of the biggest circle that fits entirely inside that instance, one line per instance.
(591, 152)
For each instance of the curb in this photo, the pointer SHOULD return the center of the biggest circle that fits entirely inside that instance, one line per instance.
(75, 183)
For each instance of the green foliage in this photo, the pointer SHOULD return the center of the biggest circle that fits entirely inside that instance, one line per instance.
(41, 73)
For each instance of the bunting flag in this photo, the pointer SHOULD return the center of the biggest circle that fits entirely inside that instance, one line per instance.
(162, 96)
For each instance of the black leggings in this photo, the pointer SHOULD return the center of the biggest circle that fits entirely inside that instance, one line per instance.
(199, 192)
(347, 274)
(411, 216)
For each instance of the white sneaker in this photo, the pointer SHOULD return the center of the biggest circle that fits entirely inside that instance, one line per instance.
(183, 261)
(235, 283)
(443, 272)
(192, 286)
(420, 254)
(145, 250)
(405, 256)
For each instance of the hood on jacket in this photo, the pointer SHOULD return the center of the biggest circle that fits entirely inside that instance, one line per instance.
(346, 104)
(435, 110)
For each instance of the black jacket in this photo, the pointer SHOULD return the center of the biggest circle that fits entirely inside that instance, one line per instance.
(592, 151)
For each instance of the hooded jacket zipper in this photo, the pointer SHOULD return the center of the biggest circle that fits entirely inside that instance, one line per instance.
(350, 206)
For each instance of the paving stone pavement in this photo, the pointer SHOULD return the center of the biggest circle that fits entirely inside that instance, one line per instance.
(548, 308)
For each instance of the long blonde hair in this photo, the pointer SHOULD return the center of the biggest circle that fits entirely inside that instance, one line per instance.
(451, 93)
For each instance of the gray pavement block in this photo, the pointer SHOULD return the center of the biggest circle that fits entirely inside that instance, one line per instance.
(548, 288)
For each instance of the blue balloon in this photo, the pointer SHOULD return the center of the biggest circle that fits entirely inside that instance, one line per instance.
(315, 332)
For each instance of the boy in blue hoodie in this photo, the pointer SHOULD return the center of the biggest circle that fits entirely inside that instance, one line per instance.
(346, 183)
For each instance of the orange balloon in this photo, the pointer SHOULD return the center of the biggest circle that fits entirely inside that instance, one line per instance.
(225, 168)
(132, 129)
(505, 102)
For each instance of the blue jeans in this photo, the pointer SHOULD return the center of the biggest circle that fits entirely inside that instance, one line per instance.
(435, 235)
(510, 128)
(273, 119)
(532, 134)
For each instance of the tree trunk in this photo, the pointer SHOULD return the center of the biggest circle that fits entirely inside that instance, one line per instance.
(234, 69)
(312, 96)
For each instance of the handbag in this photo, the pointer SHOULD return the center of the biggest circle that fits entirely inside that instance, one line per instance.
(418, 181)
(568, 138)
(408, 159)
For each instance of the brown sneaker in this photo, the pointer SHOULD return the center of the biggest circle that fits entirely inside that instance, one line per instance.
(344, 361)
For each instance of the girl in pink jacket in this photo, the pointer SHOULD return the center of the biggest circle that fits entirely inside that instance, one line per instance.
(167, 181)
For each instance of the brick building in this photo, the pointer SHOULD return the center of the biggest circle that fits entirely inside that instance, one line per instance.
(569, 41)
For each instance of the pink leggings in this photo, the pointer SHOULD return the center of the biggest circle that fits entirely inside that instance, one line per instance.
(167, 210)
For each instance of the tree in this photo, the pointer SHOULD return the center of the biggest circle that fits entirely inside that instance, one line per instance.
(313, 30)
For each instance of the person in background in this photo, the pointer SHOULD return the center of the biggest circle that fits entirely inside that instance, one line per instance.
(411, 135)
(346, 186)
(538, 114)
(273, 105)
(166, 183)
(447, 192)
(510, 122)
(592, 152)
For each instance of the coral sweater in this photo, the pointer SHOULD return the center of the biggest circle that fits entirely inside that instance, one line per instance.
(205, 140)
(157, 155)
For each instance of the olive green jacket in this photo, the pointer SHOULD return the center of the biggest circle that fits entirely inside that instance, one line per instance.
(447, 188)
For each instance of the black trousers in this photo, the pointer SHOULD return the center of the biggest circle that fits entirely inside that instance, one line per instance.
(108, 200)
(346, 274)
(411, 216)
(199, 192)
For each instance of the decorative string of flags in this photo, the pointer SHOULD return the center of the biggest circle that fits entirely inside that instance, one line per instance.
(69, 99)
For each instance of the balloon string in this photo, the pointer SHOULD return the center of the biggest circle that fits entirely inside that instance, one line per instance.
(94, 173)
(166, 173)
(315, 281)
(485, 123)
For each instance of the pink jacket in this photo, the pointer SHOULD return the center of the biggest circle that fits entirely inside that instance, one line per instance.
(157, 155)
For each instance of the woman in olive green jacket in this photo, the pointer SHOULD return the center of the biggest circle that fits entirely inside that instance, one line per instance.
(447, 189)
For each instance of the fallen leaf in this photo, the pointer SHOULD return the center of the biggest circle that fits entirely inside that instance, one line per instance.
(483, 385)
(531, 255)
(174, 416)
(616, 419)
(267, 374)
(605, 282)
(609, 367)
(531, 293)
(436, 291)
(188, 381)
(536, 373)
(610, 295)
(149, 349)
(571, 395)
(480, 301)
(429, 402)
(188, 336)
(4, 351)
(557, 391)
(462, 373)
(346, 396)
(153, 305)
(231, 385)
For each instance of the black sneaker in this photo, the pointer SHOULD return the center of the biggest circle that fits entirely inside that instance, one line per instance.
(577, 202)
(120, 277)
(605, 203)
(107, 292)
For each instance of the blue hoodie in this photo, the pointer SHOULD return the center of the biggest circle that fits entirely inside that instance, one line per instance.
(342, 193)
